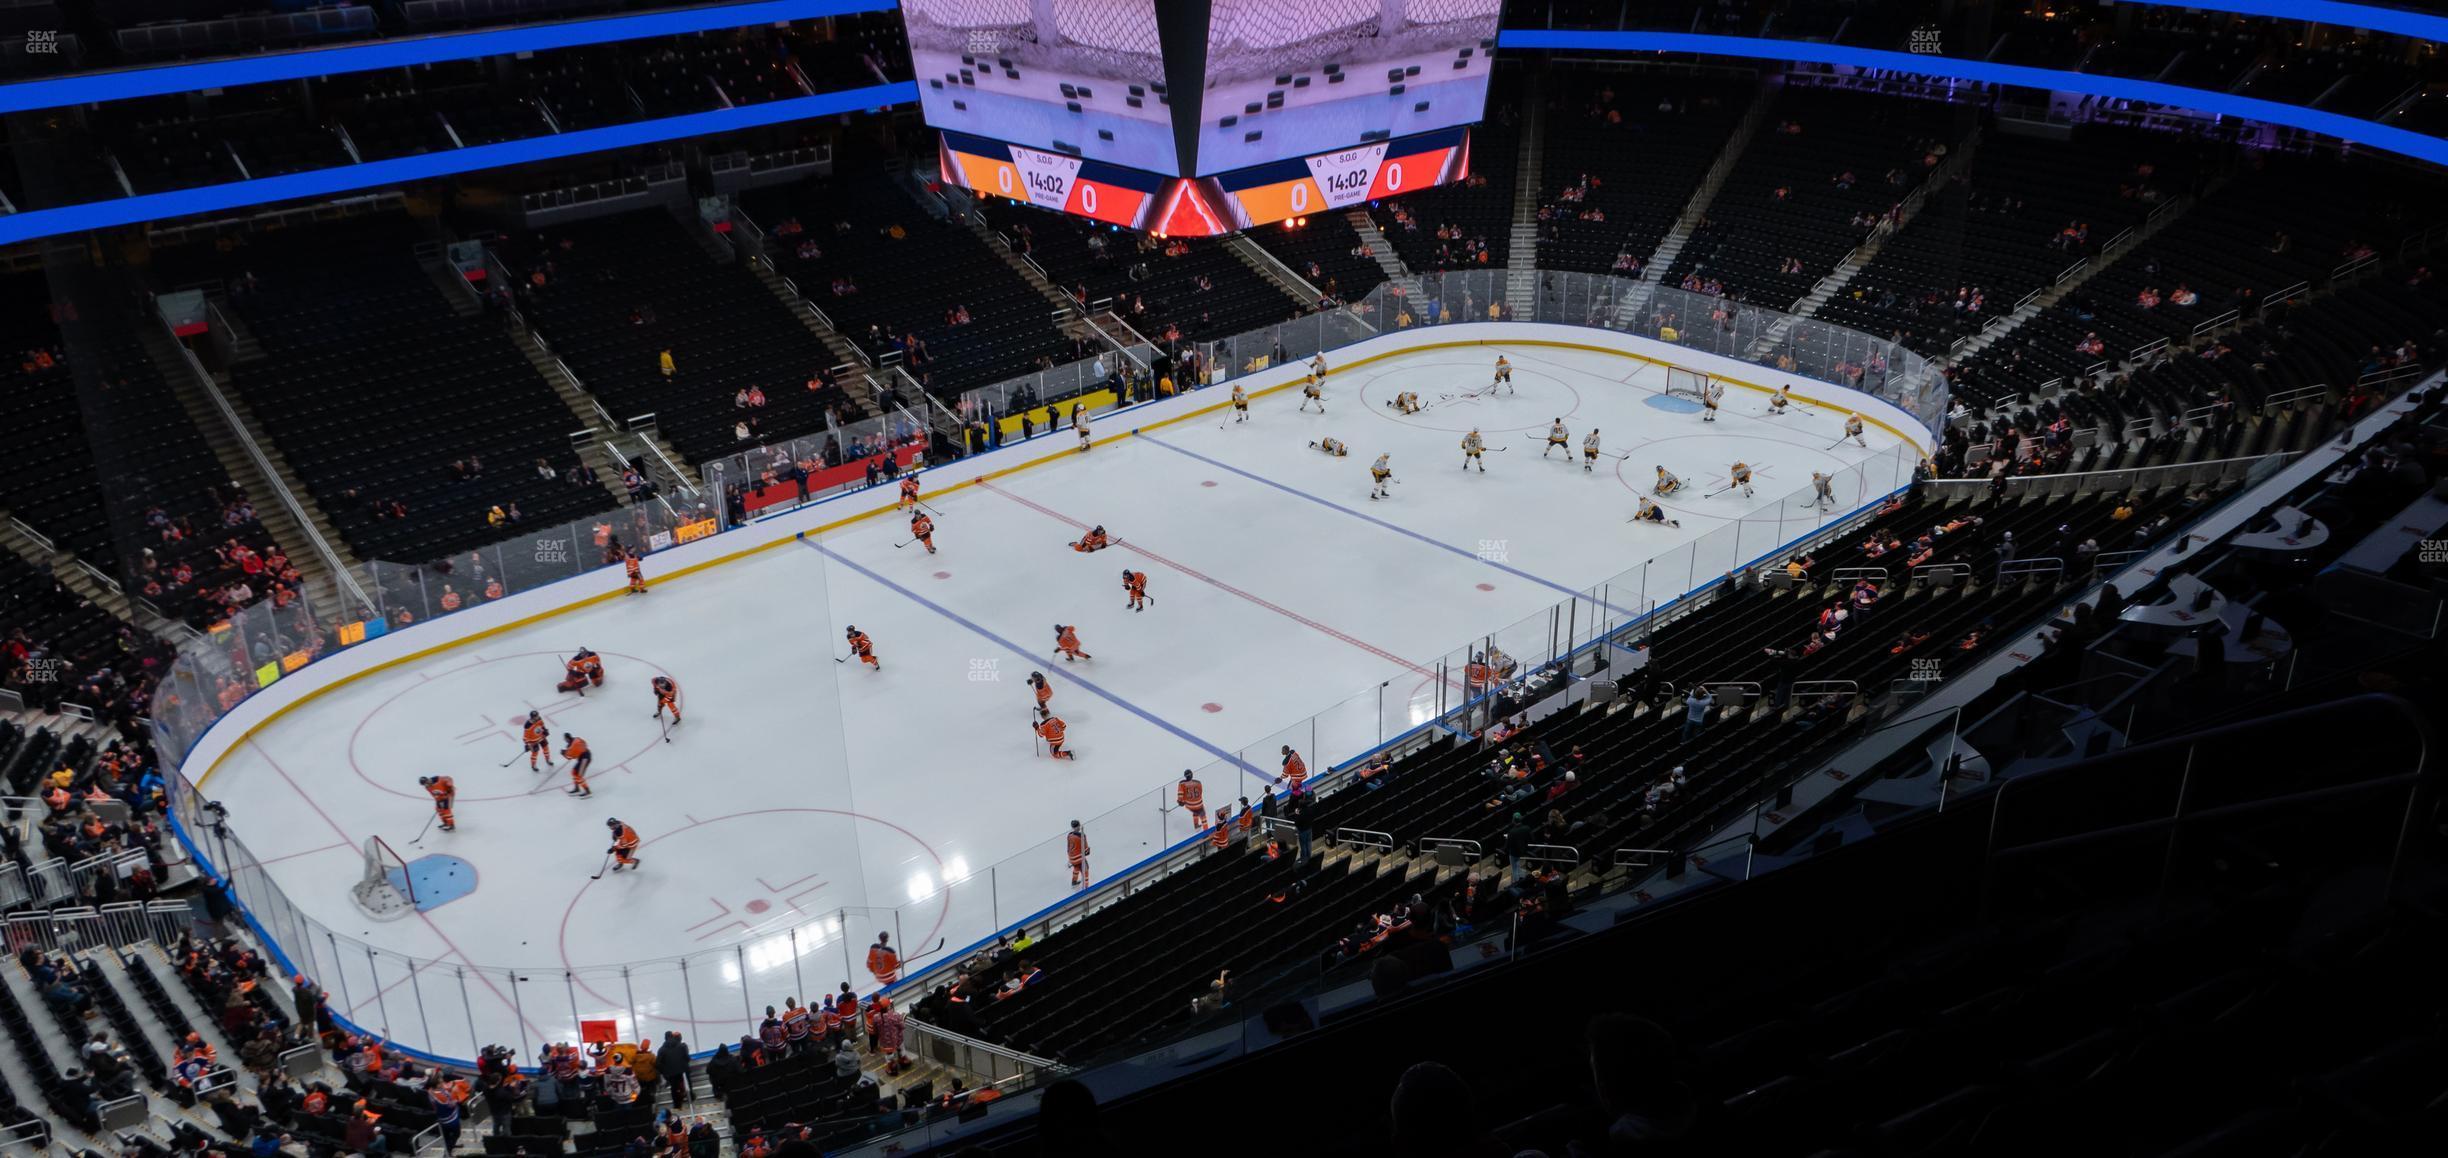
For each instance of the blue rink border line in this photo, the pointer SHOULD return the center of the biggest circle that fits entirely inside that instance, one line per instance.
(979, 629)
(1331, 505)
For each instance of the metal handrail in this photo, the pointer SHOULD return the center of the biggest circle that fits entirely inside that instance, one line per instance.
(1364, 837)
(1531, 854)
(1963, 570)
(2215, 321)
(2037, 565)
(44, 541)
(341, 577)
(1432, 843)
(1617, 859)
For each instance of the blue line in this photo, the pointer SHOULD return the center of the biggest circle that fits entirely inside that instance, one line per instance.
(398, 170)
(1516, 572)
(2344, 128)
(1025, 653)
(110, 86)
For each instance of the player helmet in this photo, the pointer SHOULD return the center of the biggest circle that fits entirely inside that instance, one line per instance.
(425, 779)
(849, 631)
(613, 822)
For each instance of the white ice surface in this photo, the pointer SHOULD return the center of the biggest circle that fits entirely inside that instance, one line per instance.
(806, 805)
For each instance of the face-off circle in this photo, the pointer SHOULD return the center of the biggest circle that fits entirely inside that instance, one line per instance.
(745, 879)
(1543, 396)
(384, 749)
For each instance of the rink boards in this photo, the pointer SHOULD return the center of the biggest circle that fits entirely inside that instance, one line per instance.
(1280, 590)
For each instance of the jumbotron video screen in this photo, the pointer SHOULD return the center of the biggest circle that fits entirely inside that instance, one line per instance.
(1202, 116)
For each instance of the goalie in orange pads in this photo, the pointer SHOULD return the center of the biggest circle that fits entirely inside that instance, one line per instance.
(1095, 540)
(583, 669)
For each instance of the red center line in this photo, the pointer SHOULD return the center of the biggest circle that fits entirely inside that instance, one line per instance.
(1222, 586)
(447, 943)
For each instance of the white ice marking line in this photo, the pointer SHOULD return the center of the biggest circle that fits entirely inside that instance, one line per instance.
(1474, 556)
(1016, 649)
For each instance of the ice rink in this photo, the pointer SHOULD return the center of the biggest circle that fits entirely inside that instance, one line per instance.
(807, 804)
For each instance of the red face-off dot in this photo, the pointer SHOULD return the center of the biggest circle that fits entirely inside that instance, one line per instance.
(1208, 483)
(943, 574)
(1487, 587)
(758, 905)
(1211, 707)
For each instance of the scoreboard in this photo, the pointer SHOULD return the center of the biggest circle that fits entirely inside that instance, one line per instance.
(1204, 206)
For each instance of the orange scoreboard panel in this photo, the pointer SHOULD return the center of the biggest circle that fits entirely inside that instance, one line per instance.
(1057, 181)
(1281, 190)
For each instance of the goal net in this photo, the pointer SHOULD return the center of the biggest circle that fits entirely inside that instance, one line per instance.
(1683, 383)
(383, 890)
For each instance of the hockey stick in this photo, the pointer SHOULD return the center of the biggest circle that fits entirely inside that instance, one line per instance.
(939, 944)
(666, 725)
(514, 758)
(607, 865)
(904, 543)
(1839, 441)
(420, 836)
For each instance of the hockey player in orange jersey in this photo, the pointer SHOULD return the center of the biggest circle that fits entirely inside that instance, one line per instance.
(1075, 850)
(882, 963)
(1052, 731)
(922, 530)
(538, 739)
(624, 845)
(444, 795)
(1067, 644)
(1095, 540)
(909, 493)
(637, 573)
(1192, 795)
(1295, 770)
(667, 697)
(1134, 584)
(861, 647)
(575, 750)
(1045, 693)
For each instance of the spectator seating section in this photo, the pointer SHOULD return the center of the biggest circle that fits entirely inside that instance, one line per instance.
(2275, 225)
(1320, 250)
(1635, 147)
(1478, 209)
(1788, 198)
(372, 386)
(2006, 227)
(726, 332)
(1195, 285)
(906, 285)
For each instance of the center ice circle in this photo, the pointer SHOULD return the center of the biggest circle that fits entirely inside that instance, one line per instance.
(1443, 386)
(466, 721)
(748, 879)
